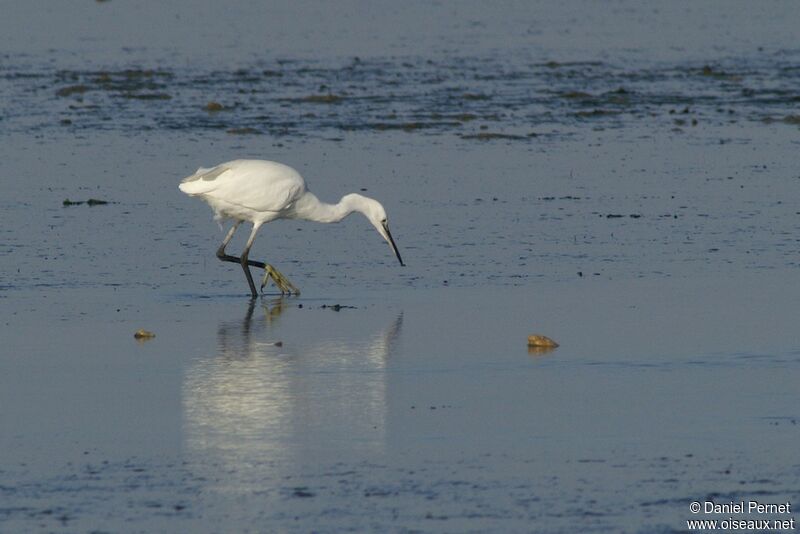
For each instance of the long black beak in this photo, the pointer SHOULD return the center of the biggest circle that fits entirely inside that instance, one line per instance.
(391, 243)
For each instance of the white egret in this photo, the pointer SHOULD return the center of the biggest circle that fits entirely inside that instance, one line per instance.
(262, 191)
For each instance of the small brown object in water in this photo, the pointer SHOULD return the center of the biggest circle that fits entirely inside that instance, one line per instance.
(143, 334)
(541, 341)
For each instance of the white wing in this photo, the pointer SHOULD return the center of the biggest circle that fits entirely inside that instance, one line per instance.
(257, 185)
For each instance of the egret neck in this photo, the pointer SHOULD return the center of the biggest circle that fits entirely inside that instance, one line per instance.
(310, 208)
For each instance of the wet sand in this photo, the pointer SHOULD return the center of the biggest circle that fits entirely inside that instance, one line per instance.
(629, 197)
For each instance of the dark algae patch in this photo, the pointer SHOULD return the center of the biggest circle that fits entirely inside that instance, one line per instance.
(326, 98)
(788, 119)
(322, 99)
(475, 96)
(72, 90)
(576, 95)
(488, 136)
(410, 126)
(716, 73)
(147, 96)
(243, 131)
(595, 113)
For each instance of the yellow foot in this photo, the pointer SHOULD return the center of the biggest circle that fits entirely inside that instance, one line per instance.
(281, 282)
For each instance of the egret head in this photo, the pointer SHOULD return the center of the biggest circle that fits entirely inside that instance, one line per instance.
(374, 212)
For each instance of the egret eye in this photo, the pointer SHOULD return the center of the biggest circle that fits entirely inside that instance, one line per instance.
(383, 221)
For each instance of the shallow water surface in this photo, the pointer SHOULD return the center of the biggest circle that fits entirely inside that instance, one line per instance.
(618, 177)
(389, 412)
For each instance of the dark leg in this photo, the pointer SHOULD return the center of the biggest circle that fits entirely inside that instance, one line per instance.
(245, 263)
(227, 257)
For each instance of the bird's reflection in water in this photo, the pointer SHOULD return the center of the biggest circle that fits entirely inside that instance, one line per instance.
(257, 409)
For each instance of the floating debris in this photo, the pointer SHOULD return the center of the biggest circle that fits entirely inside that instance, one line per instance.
(337, 307)
(536, 340)
(214, 107)
(302, 492)
(143, 334)
(621, 215)
(90, 202)
(565, 197)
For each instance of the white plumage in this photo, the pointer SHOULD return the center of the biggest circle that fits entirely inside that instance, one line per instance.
(250, 190)
(261, 191)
